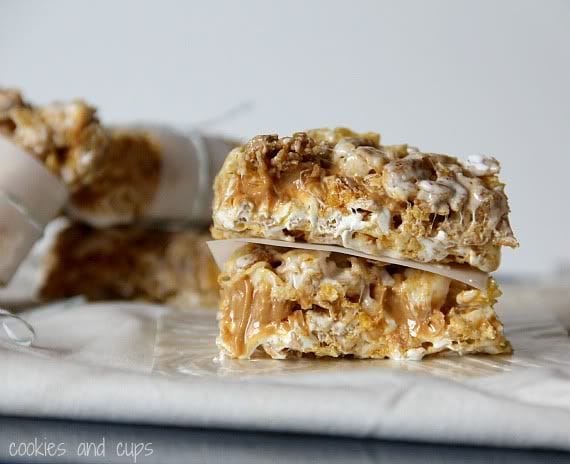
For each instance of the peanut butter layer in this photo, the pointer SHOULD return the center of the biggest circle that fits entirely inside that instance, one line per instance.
(129, 263)
(285, 303)
(340, 187)
(107, 171)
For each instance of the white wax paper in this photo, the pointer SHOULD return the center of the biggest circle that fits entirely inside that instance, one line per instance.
(150, 364)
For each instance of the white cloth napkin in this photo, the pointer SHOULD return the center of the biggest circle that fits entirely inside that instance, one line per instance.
(149, 364)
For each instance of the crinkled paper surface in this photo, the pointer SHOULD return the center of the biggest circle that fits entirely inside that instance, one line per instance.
(143, 363)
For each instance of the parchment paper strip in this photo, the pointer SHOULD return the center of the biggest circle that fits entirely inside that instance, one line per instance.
(223, 249)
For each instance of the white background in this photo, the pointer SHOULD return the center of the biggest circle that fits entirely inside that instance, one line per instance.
(461, 77)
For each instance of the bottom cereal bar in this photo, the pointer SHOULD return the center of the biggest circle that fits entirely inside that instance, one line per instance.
(287, 303)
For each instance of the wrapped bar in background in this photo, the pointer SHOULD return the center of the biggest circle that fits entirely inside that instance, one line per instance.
(117, 175)
(173, 267)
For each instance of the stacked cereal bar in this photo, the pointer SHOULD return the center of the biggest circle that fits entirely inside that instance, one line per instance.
(347, 189)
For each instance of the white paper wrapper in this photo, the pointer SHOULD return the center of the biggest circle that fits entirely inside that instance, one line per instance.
(30, 196)
(17, 236)
(23, 288)
(29, 183)
(223, 249)
(189, 163)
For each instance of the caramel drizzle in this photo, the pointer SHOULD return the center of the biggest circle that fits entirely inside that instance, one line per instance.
(250, 316)
(415, 303)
